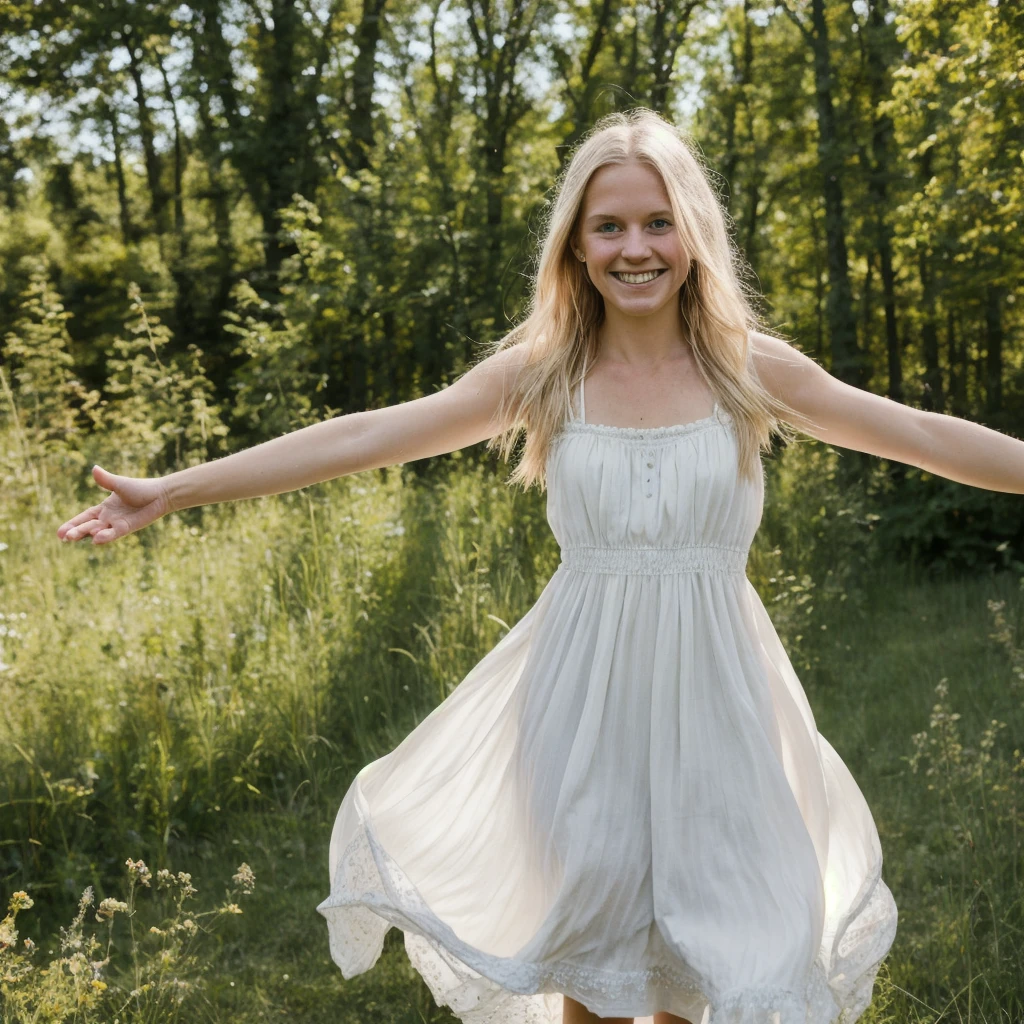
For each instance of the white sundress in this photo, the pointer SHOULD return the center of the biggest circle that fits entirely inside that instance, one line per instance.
(626, 800)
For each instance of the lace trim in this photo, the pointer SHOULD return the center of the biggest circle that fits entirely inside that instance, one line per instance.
(646, 435)
(651, 561)
(370, 893)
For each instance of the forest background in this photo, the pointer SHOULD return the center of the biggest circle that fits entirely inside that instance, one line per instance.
(224, 220)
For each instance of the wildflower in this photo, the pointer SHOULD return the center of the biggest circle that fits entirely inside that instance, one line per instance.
(231, 908)
(30, 946)
(109, 907)
(98, 986)
(20, 901)
(85, 901)
(138, 871)
(244, 878)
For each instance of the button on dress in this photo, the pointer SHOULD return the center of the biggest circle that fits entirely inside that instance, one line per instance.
(626, 800)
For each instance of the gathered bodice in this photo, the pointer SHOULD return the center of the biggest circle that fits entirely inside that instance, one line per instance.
(651, 500)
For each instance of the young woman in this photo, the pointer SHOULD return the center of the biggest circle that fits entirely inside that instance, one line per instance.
(625, 809)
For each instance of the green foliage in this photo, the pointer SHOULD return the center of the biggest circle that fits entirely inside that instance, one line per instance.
(53, 409)
(274, 386)
(959, 103)
(947, 526)
(162, 414)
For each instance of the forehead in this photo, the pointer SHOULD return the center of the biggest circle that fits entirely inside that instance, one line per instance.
(631, 187)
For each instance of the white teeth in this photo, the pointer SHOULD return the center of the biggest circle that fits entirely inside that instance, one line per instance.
(638, 278)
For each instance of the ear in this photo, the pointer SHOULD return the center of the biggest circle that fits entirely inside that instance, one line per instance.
(575, 246)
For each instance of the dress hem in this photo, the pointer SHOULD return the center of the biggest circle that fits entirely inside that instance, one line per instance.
(477, 985)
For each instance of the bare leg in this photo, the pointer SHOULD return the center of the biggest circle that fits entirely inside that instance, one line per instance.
(576, 1013)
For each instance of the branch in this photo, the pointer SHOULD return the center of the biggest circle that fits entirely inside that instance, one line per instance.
(795, 18)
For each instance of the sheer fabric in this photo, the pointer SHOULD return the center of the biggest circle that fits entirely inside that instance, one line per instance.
(626, 800)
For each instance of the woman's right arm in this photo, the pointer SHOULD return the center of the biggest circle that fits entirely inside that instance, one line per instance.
(463, 414)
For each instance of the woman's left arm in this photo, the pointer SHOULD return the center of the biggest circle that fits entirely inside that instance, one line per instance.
(848, 417)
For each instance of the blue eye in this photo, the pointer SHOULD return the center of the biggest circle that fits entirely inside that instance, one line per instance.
(609, 224)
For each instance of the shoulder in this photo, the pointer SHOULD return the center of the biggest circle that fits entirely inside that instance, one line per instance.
(780, 367)
(505, 362)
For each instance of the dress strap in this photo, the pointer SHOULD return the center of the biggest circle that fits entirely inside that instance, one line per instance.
(583, 398)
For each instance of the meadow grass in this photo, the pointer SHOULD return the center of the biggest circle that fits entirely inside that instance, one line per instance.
(201, 695)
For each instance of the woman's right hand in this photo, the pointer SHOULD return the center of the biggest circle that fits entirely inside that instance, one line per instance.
(134, 503)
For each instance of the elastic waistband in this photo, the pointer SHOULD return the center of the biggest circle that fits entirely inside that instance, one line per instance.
(640, 561)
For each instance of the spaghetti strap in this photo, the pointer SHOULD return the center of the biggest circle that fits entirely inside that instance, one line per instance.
(583, 397)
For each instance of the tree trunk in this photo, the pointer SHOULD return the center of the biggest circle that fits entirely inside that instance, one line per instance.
(185, 301)
(957, 367)
(877, 36)
(124, 209)
(847, 362)
(154, 175)
(737, 98)
(994, 296)
(364, 68)
(582, 99)
(671, 18)
(503, 107)
(931, 398)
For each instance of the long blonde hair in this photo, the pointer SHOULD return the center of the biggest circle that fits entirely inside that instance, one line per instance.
(565, 309)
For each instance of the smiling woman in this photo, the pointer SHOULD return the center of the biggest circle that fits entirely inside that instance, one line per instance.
(625, 809)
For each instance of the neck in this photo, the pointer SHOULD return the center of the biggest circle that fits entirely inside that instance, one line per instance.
(642, 340)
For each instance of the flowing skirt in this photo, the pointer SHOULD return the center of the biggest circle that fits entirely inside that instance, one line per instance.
(626, 801)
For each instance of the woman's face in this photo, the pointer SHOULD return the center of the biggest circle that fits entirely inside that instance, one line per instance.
(629, 238)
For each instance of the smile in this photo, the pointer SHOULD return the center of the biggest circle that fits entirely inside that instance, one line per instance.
(644, 278)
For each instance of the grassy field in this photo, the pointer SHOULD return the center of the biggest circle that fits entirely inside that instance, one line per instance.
(199, 696)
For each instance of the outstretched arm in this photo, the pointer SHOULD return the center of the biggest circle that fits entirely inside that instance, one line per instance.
(848, 417)
(461, 415)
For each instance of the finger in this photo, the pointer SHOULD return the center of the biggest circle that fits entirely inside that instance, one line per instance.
(116, 528)
(82, 517)
(84, 529)
(103, 478)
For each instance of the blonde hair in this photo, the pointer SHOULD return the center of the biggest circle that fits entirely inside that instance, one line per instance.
(565, 309)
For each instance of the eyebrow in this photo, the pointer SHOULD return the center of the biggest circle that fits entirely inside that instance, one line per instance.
(612, 216)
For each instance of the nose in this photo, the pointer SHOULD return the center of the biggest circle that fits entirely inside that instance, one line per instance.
(634, 246)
